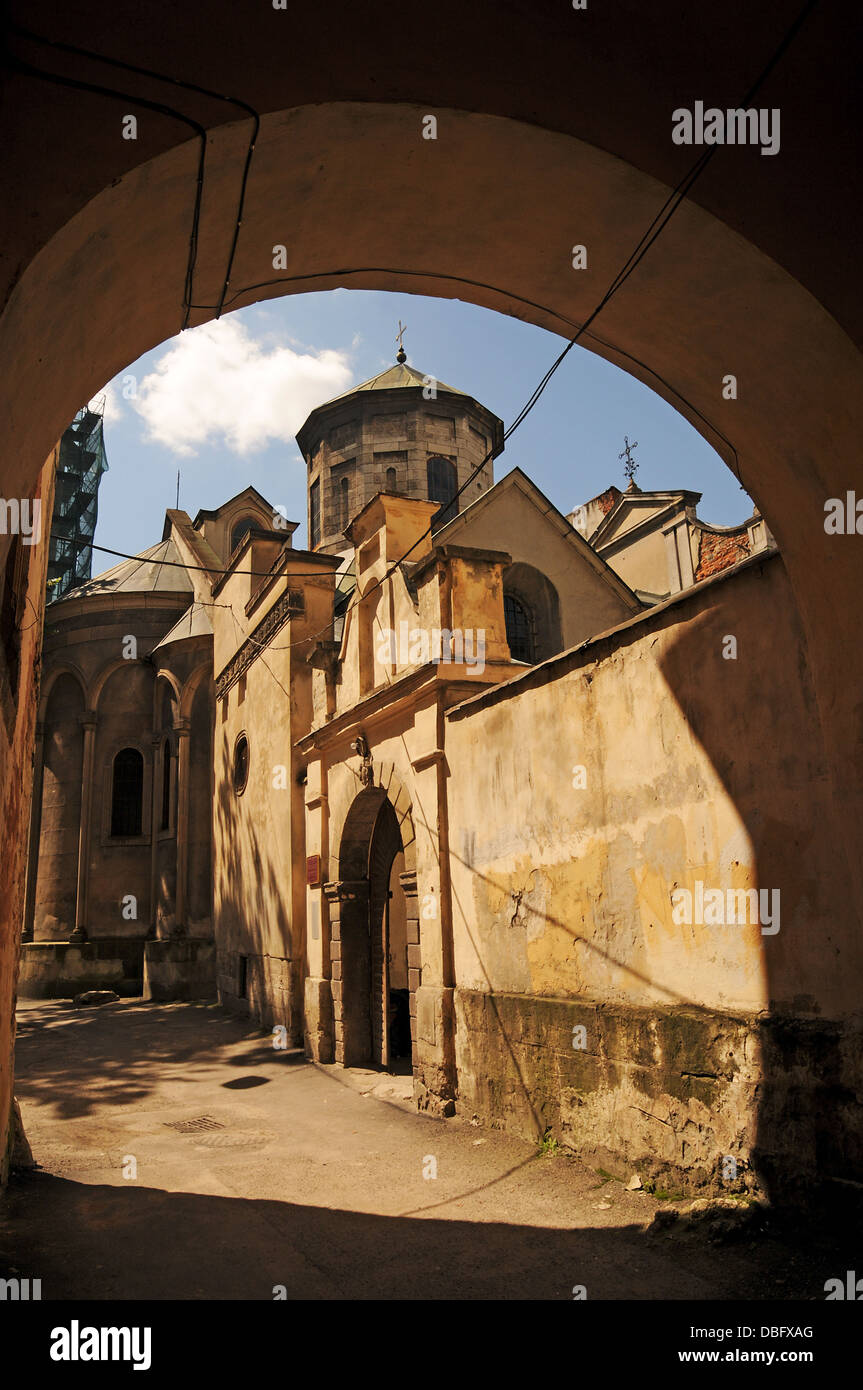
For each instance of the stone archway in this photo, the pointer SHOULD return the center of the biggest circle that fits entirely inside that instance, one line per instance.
(489, 212)
(377, 830)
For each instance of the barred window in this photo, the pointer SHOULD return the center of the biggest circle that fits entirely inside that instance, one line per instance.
(127, 796)
(519, 629)
(241, 764)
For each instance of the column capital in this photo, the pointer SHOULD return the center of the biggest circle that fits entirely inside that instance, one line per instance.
(89, 719)
(346, 890)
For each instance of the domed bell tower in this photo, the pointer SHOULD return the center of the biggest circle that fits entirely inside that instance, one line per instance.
(401, 432)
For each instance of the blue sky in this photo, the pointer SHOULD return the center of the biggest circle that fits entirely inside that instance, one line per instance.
(222, 403)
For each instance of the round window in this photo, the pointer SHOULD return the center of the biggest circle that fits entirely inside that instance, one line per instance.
(241, 764)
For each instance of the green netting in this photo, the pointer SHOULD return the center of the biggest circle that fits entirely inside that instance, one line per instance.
(80, 467)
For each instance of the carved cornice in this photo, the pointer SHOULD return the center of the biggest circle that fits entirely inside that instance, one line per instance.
(291, 604)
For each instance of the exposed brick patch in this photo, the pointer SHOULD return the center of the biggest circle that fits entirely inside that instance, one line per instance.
(608, 499)
(716, 552)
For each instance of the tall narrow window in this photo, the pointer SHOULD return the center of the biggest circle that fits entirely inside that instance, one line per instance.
(315, 514)
(519, 629)
(241, 764)
(127, 793)
(442, 487)
(344, 503)
(166, 785)
(392, 480)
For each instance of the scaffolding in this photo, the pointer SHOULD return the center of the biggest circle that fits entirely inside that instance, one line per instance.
(80, 467)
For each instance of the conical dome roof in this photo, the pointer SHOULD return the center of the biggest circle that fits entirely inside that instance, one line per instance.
(399, 374)
(157, 570)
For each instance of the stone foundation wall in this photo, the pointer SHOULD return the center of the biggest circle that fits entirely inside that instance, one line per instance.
(267, 995)
(184, 968)
(671, 1094)
(58, 970)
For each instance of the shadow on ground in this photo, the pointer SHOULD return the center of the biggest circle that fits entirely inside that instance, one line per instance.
(59, 1050)
(105, 1242)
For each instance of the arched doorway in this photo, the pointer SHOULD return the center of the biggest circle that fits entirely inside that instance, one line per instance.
(375, 945)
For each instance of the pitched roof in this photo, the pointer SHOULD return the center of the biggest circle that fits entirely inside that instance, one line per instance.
(517, 479)
(151, 571)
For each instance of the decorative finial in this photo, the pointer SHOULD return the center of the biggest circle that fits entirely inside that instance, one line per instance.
(631, 467)
(401, 355)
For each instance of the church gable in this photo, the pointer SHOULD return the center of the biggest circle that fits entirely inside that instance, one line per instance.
(635, 510)
(556, 584)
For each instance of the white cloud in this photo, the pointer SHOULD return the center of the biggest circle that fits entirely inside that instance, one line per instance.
(218, 385)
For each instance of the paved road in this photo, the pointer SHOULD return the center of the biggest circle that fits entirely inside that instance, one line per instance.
(311, 1178)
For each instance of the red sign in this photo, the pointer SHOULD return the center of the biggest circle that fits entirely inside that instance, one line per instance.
(313, 870)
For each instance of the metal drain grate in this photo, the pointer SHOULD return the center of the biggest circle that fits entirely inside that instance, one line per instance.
(193, 1126)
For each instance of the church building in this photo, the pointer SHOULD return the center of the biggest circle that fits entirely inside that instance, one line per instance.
(422, 793)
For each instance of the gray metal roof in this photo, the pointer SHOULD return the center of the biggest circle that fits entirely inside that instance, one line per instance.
(146, 573)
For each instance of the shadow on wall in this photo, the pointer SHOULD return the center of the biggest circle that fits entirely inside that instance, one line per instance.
(810, 1116)
(778, 1085)
(255, 884)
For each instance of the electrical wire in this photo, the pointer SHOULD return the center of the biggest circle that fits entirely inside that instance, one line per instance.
(18, 65)
(187, 86)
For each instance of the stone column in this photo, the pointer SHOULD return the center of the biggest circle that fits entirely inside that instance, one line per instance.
(317, 988)
(408, 883)
(350, 965)
(35, 831)
(88, 722)
(434, 1050)
(183, 730)
(155, 811)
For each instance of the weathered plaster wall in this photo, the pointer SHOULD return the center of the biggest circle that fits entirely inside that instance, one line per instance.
(695, 768)
(259, 866)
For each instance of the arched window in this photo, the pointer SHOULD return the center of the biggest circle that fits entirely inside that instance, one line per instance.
(166, 785)
(241, 764)
(442, 487)
(242, 526)
(344, 503)
(519, 629)
(315, 514)
(392, 480)
(127, 793)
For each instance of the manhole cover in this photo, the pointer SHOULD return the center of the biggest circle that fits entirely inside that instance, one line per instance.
(193, 1126)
